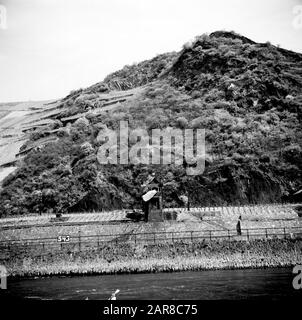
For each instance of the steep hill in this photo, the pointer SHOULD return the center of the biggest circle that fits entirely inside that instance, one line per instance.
(246, 95)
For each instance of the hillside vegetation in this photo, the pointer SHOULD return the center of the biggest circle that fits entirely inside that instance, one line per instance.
(247, 96)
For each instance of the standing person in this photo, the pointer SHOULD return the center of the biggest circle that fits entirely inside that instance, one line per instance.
(238, 226)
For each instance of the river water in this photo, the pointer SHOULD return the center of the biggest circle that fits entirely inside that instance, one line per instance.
(219, 284)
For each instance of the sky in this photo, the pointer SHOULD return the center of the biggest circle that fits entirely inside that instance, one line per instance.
(50, 47)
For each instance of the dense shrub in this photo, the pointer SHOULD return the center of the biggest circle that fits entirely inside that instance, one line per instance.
(247, 96)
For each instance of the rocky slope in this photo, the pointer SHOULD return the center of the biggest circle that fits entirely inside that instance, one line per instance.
(246, 95)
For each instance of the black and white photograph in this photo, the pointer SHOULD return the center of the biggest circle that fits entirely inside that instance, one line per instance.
(150, 150)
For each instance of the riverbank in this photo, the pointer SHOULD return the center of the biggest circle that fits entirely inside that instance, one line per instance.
(128, 258)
